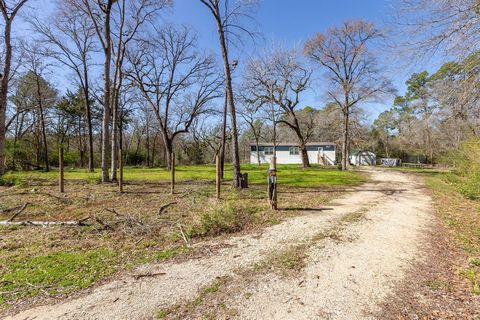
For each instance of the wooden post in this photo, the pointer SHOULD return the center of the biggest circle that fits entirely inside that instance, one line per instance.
(218, 173)
(61, 178)
(272, 183)
(120, 168)
(173, 173)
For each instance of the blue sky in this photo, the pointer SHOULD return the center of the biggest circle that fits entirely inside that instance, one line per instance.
(289, 23)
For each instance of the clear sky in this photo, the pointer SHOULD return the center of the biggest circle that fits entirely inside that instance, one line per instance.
(289, 23)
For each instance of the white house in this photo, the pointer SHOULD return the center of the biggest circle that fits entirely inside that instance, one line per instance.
(289, 153)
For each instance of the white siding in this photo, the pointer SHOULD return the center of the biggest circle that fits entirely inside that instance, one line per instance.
(284, 157)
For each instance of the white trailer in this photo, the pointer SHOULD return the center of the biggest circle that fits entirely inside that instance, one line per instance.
(289, 153)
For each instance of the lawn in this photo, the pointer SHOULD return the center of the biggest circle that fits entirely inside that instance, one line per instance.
(291, 175)
(122, 231)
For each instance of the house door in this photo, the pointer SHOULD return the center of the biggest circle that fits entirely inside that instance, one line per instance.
(320, 156)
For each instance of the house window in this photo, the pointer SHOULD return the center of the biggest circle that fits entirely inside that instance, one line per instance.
(269, 151)
(294, 151)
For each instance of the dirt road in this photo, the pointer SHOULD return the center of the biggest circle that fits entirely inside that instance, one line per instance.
(343, 278)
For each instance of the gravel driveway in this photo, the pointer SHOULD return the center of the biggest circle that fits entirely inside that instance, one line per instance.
(341, 280)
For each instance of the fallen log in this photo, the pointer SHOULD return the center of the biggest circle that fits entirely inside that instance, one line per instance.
(40, 223)
(80, 222)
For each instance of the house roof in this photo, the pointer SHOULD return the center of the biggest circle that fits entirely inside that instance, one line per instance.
(293, 144)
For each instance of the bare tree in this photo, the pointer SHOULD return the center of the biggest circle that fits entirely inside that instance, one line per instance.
(279, 79)
(350, 67)
(36, 63)
(175, 80)
(9, 10)
(225, 20)
(128, 20)
(209, 136)
(456, 88)
(452, 26)
(99, 13)
(250, 114)
(71, 40)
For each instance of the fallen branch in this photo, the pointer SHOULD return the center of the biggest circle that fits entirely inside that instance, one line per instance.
(165, 206)
(8, 210)
(113, 211)
(138, 241)
(183, 235)
(81, 222)
(103, 224)
(18, 212)
(144, 275)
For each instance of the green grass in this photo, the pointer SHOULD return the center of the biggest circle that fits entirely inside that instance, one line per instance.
(57, 272)
(292, 175)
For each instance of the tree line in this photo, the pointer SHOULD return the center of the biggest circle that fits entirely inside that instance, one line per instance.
(146, 87)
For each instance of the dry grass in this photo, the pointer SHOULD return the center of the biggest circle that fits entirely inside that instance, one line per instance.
(123, 230)
(461, 216)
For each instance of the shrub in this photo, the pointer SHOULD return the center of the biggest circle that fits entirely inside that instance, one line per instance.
(12, 180)
(470, 188)
(135, 159)
(225, 218)
(467, 163)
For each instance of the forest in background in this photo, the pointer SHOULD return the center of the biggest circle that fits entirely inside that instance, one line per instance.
(148, 88)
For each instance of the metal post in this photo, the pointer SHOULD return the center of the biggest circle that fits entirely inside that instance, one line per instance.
(61, 179)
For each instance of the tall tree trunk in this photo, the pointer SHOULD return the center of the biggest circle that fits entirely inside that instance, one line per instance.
(116, 122)
(224, 137)
(304, 153)
(258, 152)
(107, 96)
(81, 147)
(231, 102)
(152, 160)
(88, 119)
(37, 141)
(302, 141)
(42, 122)
(15, 138)
(345, 140)
(8, 18)
(4, 91)
(114, 141)
(147, 140)
(168, 152)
